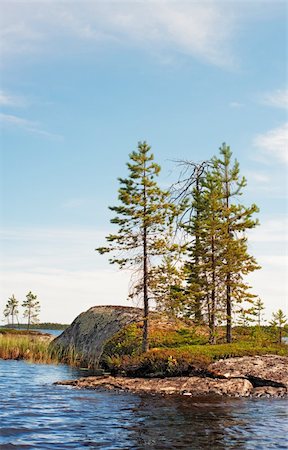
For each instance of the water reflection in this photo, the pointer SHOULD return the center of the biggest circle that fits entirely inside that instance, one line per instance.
(35, 414)
(176, 423)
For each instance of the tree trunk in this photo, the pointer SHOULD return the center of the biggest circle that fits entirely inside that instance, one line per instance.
(228, 310)
(145, 343)
(28, 319)
(213, 296)
(280, 334)
(197, 305)
(228, 276)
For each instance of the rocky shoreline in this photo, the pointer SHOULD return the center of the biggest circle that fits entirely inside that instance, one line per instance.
(257, 376)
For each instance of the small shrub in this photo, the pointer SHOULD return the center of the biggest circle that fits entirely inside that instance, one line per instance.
(186, 360)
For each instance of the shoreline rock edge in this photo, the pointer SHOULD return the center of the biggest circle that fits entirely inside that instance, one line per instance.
(257, 376)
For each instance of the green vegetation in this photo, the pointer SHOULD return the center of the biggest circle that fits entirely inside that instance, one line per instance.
(24, 346)
(189, 253)
(32, 346)
(143, 219)
(278, 323)
(11, 310)
(31, 310)
(186, 360)
(218, 259)
(178, 349)
(201, 274)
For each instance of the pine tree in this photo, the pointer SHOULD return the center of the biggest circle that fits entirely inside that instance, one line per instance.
(211, 252)
(142, 218)
(6, 314)
(278, 322)
(245, 317)
(11, 309)
(31, 309)
(258, 309)
(188, 194)
(236, 219)
(167, 286)
(218, 258)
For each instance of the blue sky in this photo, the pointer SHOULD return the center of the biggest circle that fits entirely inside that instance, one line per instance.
(82, 82)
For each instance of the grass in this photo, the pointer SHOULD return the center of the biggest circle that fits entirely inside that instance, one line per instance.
(33, 347)
(185, 360)
(175, 350)
(182, 350)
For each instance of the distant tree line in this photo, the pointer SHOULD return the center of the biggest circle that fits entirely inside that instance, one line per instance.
(187, 245)
(31, 310)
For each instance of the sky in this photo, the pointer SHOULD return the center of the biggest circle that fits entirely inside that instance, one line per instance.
(82, 82)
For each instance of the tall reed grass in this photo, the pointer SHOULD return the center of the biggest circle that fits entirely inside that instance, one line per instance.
(35, 349)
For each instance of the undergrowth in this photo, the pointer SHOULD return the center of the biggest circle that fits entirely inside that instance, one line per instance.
(185, 360)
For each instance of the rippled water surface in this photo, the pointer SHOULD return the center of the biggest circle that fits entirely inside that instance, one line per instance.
(35, 414)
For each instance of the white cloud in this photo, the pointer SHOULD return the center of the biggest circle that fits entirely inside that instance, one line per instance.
(64, 294)
(269, 244)
(274, 143)
(62, 268)
(76, 203)
(195, 29)
(236, 105)
(52, 234)
(10, 100)
(259, 177)
(10, 120)
(277, 99)
(273, 230)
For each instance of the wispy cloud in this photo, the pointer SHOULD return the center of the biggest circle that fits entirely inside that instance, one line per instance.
(274, 142)
(13, 121)
(8, 100)
(63, 294)
(259, 177)
(275, 230)
(236, 104)
(195, 29)
(277, 99)
(62, 268)
(76, 203)
(55, 234)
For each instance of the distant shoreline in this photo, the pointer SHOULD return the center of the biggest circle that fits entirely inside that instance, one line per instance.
(38, 326)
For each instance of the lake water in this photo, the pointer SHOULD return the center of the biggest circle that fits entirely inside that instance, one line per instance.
(35, 414)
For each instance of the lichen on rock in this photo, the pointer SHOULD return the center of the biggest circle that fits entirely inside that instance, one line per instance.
(89, 332)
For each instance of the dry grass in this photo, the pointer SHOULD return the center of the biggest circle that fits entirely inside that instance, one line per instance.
(33, 347)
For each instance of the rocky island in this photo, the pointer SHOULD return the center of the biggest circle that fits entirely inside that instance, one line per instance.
(260, 376)
(264, 375)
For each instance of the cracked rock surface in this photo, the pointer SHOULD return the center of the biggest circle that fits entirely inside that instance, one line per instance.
(89, 332)
(270, 369)
(257, 376)
(194, 386)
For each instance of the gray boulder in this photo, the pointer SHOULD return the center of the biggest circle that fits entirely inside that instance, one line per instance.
(89, 332)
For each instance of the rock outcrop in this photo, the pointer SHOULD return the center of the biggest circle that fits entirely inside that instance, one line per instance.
(192, 386)
(267, 373)
(248, 376)
(90, 331)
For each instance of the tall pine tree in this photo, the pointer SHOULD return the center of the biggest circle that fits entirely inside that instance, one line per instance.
(236, 220)
(218, 257)
(142, 218)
